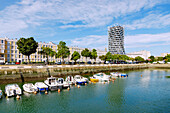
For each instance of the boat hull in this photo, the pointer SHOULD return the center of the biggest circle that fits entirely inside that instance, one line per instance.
(124, 75)
(53, 88)
(65, 86)
(29, 89)
(94, 80)
(12, 93)
(43, 89)
(81, 82)
(1, 94)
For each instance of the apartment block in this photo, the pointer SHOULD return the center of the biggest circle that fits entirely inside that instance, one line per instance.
(10, 53)
(116, 40)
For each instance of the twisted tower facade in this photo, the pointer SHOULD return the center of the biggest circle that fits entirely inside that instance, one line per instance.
(116, 40)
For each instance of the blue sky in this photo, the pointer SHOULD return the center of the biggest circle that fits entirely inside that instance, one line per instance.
(84, 23)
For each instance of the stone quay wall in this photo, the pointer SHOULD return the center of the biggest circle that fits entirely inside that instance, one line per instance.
(23, 73)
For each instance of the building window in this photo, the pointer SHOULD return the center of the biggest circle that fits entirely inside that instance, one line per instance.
(2, 41)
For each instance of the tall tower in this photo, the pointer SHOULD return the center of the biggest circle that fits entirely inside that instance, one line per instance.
(116, 40)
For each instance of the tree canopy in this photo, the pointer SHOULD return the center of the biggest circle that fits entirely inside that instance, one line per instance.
(75, 56)
(94, 54)
(138, 58)
(103, 57)
(167, 58)
(46, 52)
(86, 53)
(63, 50)
(152, 58)
(108, 56)
(27, 46)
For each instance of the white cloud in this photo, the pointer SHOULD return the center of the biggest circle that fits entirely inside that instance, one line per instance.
(150, 21)
(70, 13)
(91, 41)
(147, 40)
(132, 41)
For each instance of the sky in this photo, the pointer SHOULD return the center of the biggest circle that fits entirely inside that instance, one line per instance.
(84, 23)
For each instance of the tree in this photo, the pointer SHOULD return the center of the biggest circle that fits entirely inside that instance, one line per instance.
(103, 57)
(124, 57)
(115, 57)
(138, 58)
(46, 52)
(160, 59)
(63, 50)
(75, 56)
(86, 53)
(94, 54)
(152, 58)
(27, 46)
(167, 58)
(108, 56)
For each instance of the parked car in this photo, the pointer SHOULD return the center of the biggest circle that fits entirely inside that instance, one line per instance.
(58, 63)
(80, 62)
(98, 62)
(89, 62)
(17, 63)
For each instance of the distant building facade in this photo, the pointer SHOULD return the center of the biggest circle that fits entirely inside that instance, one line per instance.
(144, 54)
(10, 53)
(83, 59)
(164, 54)
(116, 40)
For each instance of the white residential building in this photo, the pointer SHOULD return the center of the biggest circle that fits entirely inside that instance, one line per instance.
(144, 54)
(164, 54)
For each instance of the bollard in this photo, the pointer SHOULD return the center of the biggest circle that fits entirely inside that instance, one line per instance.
(78, 86)
(58, 90)
(35, 92)
(18, 97)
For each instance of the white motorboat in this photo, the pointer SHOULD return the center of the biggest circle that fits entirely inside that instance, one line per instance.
(41, 86)
(12, 90)
(102, 77)
(1, 93)
(70, 80)
(52, 84)
(65, 84)
(113, 74)
(30, 88)
(118, 74)
(80, 80)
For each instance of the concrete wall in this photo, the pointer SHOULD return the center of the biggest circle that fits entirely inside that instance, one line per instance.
(10, 74)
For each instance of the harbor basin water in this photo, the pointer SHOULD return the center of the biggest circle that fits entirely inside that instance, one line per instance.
(149, 93)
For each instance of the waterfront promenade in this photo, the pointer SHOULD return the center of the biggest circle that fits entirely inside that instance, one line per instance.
(18, 73)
